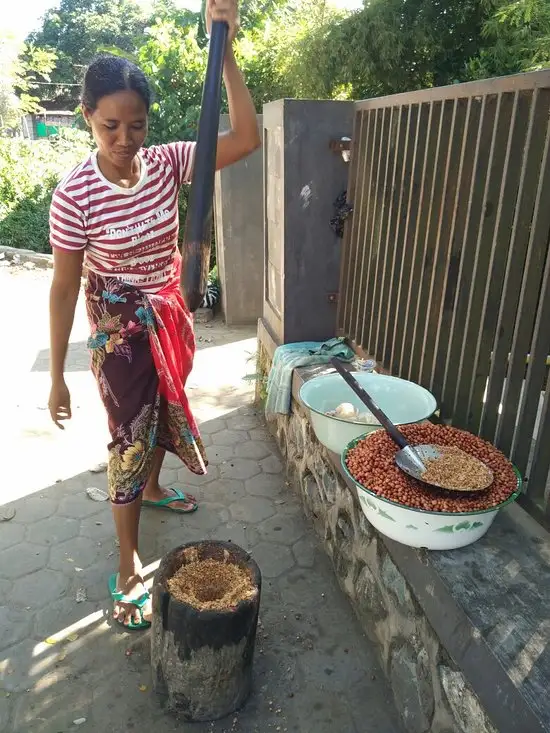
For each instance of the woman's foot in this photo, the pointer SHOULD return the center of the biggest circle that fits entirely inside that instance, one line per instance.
(173, 499)
(132, 587)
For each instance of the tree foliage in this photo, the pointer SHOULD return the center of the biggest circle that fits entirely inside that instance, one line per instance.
(77, 31)
(288, 55)
(174, 58)
(398, 45)
(287, 48)
(21, 70)
(300, 48)
(516, 37)
(29, 171)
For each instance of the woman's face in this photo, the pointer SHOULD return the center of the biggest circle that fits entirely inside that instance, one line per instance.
(119, 126)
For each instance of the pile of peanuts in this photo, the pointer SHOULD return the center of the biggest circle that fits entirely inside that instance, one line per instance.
(371, 463)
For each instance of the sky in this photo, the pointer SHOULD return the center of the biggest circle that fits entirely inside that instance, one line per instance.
(25, 15)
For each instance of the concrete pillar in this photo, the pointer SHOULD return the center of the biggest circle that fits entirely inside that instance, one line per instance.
(302, 179)
(239, 222)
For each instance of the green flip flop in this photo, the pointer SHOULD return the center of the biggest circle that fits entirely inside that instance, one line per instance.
(165, 503)
(118, 596)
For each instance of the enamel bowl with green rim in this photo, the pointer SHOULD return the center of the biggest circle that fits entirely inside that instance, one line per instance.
(403, 402)
(422, 528)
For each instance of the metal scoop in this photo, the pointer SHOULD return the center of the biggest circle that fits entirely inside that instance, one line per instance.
(409, 459)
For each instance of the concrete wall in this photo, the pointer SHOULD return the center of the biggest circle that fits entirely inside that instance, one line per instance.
(302, 179)
(239, 236)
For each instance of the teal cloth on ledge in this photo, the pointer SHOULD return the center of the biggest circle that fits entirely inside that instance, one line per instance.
(291, 356)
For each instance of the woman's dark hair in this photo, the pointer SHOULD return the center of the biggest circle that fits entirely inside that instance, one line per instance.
(109, 74)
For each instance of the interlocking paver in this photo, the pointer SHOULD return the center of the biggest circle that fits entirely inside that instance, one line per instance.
(42, 713)
(37, 590)
(285, 530)
(169, 476)
(17, 673)
(61, 614)
(53, 530)
(14, 626)
(256, 449)
(305, 550)
(240, 468)
(93, 579)
(229, 437)
(186, 478)
(98, 528)
(272, 464)
(5, 711)
(78, 506)
(219, 454)
(10, 534)
(34, 509)
(265, 484)
(301, 588)
(22, 559)
(208, 516)
(211, 427)
(304, 680)
(224, 491)
(171, 461)
(80, 552)
(273, 559)
(252, 534)
(242, 422)
(235, 532)
(252, 509)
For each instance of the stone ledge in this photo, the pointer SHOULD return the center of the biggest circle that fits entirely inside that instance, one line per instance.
(462, 635)
(488, 604)
(21, 256)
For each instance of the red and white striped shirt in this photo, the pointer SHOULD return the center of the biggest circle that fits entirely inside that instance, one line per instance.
(127, 233)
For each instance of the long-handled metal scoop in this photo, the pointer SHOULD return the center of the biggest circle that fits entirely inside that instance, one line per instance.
(411, 460)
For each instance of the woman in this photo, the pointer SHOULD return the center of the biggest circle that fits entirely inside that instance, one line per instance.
(117, 214)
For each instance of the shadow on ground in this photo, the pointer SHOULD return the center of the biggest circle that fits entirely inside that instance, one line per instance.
(208, 336)
(65, 665)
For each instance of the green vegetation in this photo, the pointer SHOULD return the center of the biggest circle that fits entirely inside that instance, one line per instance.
(287, 48)
(21, 68)
(76, 31)
(29, 171)
(298, 48)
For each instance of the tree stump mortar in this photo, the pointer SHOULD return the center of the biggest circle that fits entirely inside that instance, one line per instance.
(202, 659)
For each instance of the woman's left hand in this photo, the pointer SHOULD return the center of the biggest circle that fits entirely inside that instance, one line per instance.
(224, 10)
